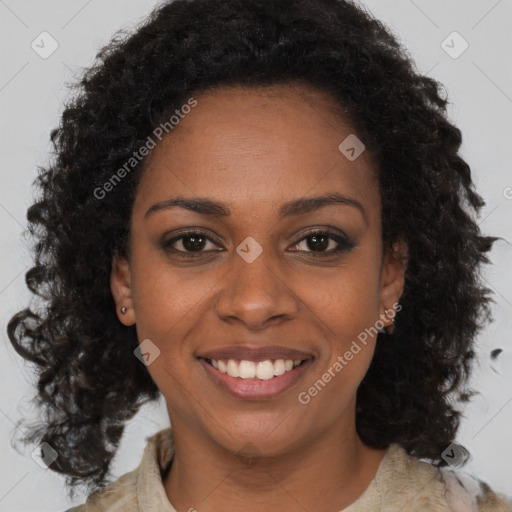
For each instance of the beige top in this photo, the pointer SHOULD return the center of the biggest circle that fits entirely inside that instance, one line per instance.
(402, 482)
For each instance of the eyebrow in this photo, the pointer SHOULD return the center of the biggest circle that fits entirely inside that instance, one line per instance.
(299, 206)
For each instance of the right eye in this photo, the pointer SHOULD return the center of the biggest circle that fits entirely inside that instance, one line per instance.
(189, 244)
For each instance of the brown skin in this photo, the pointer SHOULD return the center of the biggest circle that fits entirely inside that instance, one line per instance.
(255, 151)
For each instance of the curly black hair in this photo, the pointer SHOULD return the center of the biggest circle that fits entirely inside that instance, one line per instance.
(89, 382)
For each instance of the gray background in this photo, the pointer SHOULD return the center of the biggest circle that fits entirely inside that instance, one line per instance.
(32, 91)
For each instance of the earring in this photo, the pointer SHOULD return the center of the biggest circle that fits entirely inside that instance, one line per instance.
(123, 310)
(390, 328)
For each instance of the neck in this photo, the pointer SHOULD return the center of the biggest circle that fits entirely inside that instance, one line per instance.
(206, 477)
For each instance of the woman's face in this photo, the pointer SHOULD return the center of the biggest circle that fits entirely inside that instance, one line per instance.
(256, 283)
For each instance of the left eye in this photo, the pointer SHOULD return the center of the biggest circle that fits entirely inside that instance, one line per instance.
(320, 241)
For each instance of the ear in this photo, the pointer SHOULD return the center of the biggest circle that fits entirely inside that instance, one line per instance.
(392, 282)
(121, 288)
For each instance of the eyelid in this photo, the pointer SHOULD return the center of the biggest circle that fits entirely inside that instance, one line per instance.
(167, 242)
(344, 242)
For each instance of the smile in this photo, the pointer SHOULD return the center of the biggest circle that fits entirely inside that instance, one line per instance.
(263, 370)
(255, 379)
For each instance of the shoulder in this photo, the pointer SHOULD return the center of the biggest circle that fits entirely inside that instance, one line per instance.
(140, 489)
(120, 495)
(403, 480)
(465, 492)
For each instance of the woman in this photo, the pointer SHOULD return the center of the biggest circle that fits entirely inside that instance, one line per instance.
(258, 210)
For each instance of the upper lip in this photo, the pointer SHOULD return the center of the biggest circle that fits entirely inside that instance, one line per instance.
(255, 353)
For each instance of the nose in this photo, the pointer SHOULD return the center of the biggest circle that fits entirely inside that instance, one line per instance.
(256, 294)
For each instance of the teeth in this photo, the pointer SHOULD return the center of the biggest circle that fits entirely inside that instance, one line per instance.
(233, 370)
(263, 370)
(246, 369)
(279, 367)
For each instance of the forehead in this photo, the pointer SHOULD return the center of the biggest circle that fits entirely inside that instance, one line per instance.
(253, 146)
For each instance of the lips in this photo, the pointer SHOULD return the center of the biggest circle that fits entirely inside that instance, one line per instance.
(225, 367)
(255, 353)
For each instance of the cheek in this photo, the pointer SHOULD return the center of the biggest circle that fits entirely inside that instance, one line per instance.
(346, 309)
(167, 307)
(347, 300)
(165, 298)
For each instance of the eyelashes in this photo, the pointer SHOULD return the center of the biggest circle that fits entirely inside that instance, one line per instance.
(194, 240)
(192, 243)
(323, 238)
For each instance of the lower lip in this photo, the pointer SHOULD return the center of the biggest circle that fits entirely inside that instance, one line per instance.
(256, 389)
